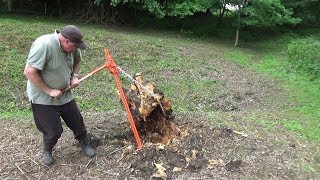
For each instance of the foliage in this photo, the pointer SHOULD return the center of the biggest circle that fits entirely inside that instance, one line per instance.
(180, 8)
(189, 8)
(307, 10)
(304, 55)
(264, 13)
(256, 14)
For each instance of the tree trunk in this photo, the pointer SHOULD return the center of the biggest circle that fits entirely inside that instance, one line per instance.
(45, 8)
(237, 37)
(9, 5)
(238, 29)
(59, 7)
(152, 121)
(222, 11)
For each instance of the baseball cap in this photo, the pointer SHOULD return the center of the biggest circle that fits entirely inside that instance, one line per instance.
(74, 34)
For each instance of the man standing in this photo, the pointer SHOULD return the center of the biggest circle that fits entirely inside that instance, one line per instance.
(53, 64)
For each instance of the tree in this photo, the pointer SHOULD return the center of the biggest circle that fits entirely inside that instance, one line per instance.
(262, 13)
(9, 4)
(254, 13)
(307, 10)
(162, 8)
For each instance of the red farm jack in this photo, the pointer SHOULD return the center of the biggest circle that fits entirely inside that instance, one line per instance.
(113, 69)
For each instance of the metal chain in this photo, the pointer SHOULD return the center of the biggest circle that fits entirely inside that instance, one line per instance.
(146, 89)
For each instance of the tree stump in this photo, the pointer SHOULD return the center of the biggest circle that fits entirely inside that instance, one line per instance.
(152, 123)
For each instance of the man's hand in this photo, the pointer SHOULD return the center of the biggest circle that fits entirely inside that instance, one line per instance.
(33, 74)
(55, 93)
(74, 82)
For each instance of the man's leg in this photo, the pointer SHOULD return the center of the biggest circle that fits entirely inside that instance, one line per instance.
(47, 120)
(74, 120)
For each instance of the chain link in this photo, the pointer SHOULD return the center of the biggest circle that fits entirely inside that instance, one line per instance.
(146, 89)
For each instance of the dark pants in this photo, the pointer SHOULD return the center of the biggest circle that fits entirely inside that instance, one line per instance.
(47, 120)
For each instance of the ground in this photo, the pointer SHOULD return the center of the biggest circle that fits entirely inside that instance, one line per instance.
(206, 149)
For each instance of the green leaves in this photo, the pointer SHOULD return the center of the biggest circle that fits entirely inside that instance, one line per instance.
(188, 8)
(264, 13)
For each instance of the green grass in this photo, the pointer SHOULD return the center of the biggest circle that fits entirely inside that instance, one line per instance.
(160, 56)
(302, 118)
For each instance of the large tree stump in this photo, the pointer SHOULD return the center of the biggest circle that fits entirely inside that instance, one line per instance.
(151, 122)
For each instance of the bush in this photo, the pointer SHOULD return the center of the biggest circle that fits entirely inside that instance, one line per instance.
(304, 55)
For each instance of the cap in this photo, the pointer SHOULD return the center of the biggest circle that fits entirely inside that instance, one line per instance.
(74, 34)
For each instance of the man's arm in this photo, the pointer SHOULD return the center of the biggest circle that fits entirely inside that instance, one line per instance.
(33, 74)
(74, 77)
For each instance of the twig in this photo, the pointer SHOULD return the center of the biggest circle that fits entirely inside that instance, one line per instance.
(3, 168)
(32, 160)
(70, 165)
(120, 158)
(114, 174)
(116, 150)
(99, 130)
(88, 163)
(22, 171)
(205, 144)
(19, 160)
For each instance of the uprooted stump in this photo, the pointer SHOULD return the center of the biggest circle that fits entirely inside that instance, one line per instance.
(152, 122)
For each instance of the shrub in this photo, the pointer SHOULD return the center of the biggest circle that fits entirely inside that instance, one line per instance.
(304, 55)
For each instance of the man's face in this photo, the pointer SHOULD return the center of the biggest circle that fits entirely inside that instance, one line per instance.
(69, 46)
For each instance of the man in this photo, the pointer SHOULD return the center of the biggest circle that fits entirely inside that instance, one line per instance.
(53, 65)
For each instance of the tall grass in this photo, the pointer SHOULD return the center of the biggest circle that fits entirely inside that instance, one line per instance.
(304, 55)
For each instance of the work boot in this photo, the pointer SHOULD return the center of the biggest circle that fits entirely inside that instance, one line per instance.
(86, 147)
(47, 158)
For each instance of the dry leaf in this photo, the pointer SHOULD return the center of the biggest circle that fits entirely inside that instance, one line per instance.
(194, 153)
(188, 159)
(160, 171)
(213, 163)
(160, 146)
(241, 133)
(127, 150)
(177, 169)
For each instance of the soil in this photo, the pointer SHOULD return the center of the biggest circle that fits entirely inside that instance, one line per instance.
(203, 150)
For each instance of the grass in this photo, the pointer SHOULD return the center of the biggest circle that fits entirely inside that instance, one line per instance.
(302, 118)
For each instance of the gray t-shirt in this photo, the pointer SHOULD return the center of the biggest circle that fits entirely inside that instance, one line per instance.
(56, 68)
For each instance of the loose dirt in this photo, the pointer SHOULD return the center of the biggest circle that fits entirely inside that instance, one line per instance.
(202, 152)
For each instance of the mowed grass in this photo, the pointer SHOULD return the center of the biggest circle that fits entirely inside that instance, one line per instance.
(304, 116)
(163, 58)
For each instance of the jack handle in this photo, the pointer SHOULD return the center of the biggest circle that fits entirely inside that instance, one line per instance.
(86, 76)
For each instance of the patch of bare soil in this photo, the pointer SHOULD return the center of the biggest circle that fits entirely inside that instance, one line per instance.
(201, 152)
